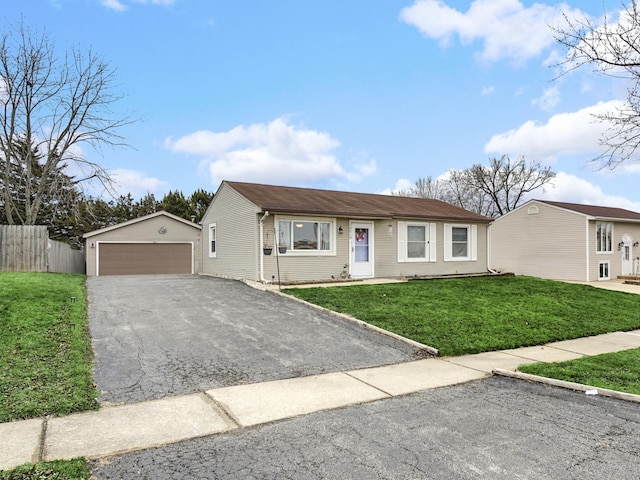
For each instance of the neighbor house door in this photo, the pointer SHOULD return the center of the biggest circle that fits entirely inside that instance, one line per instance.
(361, 249)
(627, 262)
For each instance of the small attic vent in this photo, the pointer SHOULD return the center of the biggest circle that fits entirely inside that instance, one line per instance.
(533, 210)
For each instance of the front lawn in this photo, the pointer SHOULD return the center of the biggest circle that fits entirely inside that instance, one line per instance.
(45, 346)
(472, 315)
(614, 371)
(76, 469)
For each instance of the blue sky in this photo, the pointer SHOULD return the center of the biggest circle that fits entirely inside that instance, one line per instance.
(350, 95)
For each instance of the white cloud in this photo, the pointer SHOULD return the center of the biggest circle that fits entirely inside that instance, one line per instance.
(401, 185)
(114, 5)
(487, 91)
(269, 152)
(506, 28)
(136, 183)
(119, 6)
(565, 133)
(549, 99)
(569, 188)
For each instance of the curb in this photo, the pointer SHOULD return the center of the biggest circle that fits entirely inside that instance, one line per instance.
(589, 390)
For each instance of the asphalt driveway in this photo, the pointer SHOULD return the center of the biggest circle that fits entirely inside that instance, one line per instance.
(157, 336)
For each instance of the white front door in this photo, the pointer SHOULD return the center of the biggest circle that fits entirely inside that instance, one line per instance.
(361, 242)
(627, 262)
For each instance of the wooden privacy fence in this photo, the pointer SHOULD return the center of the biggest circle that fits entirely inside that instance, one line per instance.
(27, 248)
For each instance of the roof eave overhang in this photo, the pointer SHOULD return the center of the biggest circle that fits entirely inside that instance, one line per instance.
(612, 219)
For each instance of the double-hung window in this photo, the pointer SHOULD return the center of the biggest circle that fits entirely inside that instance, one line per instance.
(212, 240)
(460, 243)
(604, 237)
(306, 236)
(416, 242)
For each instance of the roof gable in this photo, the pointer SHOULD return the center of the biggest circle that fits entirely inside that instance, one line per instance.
(278, 199)
(142, 219)
(597, 211)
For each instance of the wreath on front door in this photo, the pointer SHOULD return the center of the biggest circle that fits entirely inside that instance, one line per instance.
(359, 235)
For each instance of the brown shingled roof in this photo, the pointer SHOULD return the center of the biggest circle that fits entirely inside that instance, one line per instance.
(596, 211)
(276, 199)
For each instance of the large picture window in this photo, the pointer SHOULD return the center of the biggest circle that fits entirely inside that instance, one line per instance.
(305, 236)
(604, 237)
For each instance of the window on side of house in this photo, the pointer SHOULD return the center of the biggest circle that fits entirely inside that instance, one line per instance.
(603, 271)
(416, 242)
(604, 237)
(306, 237)
(460, 243)
(212, 240)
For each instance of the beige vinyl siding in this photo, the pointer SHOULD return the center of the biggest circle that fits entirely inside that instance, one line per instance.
(620, 229)
(236, 220)
(146, 231)
(294, 268)
(550, 244)
(386, 259)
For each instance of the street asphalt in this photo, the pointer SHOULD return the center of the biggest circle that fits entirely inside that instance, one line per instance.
(156, 336)
(497, 428)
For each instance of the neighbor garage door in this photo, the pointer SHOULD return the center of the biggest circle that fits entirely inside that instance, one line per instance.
(144, 258)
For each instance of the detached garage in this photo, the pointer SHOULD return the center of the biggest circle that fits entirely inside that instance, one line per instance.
(159, 243)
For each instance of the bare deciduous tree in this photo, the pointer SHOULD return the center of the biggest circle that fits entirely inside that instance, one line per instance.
(611, 49)
(491, 190)
(55, 105)
(424, 187)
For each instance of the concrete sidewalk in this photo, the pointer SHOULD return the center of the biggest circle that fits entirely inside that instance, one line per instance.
(124, 428)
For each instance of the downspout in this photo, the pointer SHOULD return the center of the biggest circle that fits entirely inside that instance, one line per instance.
(489, 249)
(266, 214)
(586, 256)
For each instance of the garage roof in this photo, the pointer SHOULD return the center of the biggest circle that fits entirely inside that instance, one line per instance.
(161, 213)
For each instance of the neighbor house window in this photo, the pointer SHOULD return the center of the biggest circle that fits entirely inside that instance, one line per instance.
(603, 271)
(604, 237)
(304, 236)
(460, 242)
(212, 240)
(416, 242)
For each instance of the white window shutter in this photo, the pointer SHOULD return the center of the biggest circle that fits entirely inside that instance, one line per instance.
(402, 241)
(432, 242)
(474, 242)
(447, 242)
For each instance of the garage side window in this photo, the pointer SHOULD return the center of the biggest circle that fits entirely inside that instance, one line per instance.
(212, 240)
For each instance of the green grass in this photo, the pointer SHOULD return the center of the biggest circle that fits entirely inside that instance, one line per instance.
(615, 371)
(45, 346)
(473, 315)
(58, 470)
